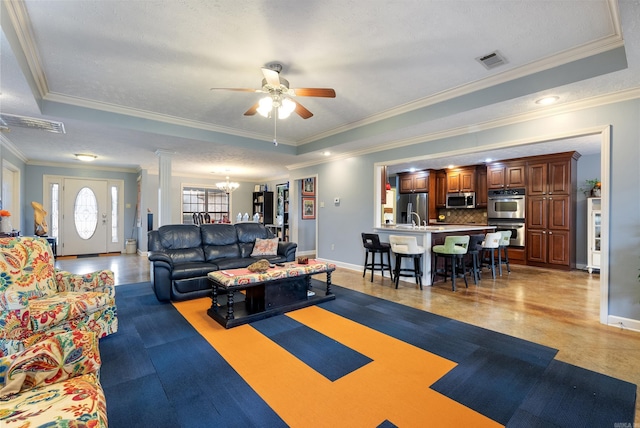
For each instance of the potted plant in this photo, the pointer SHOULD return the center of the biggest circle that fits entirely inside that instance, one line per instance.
(592, 188)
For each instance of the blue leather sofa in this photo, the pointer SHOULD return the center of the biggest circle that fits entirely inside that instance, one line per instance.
(182, 255)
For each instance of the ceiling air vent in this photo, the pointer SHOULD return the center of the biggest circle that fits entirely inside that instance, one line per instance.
(492, 60)
(11, 120)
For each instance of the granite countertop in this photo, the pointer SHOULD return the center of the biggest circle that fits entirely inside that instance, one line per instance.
(433, 229)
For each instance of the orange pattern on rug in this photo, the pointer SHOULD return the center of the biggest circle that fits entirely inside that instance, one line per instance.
(393, 387)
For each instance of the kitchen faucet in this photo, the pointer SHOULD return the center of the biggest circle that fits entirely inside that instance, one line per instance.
(412, 221)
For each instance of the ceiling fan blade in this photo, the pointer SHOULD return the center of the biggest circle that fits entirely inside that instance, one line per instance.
(302, 111)
(271, 76)
(252, 110)
(313, 92)
(237, 89)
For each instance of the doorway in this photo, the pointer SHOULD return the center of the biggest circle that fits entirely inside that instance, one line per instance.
(85, 214)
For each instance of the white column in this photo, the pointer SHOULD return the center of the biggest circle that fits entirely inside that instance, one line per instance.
(164, 187)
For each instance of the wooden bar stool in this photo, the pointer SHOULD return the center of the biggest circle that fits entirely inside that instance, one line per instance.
(373, 246)
(454, 250)
(407, 247)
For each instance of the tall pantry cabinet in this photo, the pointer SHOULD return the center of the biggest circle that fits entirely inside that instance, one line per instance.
(551, 210)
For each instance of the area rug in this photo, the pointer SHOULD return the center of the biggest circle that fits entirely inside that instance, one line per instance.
(354, 361)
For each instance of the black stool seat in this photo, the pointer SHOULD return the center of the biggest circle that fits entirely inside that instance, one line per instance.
(473, 251)
(372, 245)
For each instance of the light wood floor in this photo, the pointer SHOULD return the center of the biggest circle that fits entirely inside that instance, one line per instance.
(553, 308)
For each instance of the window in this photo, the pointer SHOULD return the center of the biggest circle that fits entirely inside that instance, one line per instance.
(85, 213)
(114, 213)
(55, 203)
(202, 201)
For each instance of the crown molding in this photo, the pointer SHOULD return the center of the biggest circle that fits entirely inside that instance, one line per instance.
(19, 18)
(598, 101)
(93, 167)
(612, 41)
(7, 144)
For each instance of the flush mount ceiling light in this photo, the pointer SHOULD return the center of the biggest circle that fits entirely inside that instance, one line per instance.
(226, 186)
(547, 100)
(85, 157)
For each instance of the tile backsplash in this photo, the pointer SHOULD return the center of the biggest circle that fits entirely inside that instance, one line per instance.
(465, 216)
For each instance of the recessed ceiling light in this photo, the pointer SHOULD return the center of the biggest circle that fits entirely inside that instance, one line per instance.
(327, 153)
(450, 166)
(547, 100)
(412, 170)
(85, 157)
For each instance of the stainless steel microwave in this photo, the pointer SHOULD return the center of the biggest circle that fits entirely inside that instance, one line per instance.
(461, 200)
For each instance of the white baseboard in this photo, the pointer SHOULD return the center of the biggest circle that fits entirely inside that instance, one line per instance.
(624, 323)
(305, 253)
(343, 265)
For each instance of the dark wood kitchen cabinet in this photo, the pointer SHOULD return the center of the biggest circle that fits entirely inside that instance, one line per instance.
(551, 210)
(481, 187)
(460, 180)
(506, 175)
(441, 189)
(413, 182)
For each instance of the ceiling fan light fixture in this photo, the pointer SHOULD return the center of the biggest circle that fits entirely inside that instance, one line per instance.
(265, 105)
(226, 186)
(286, 108)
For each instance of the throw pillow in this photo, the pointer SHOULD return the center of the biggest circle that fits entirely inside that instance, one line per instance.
(265, 247)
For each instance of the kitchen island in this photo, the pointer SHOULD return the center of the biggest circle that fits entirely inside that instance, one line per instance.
(427, 235)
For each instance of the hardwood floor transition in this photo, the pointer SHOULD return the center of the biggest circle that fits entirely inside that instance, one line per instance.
(558, 309)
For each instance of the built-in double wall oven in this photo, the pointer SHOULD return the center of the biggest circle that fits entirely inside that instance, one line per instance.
(506, 210)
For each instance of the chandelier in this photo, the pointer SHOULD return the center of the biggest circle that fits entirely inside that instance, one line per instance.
(226, 186)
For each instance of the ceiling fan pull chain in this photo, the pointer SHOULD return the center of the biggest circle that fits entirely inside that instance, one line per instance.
(275, 128)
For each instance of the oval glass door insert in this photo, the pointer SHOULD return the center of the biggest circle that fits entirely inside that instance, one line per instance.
(85, 213)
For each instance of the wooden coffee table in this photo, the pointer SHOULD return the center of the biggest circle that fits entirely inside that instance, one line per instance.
(274, 292)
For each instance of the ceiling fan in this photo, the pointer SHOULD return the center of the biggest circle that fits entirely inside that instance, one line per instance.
(279, 95)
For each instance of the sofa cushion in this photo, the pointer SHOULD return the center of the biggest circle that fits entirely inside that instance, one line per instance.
(186, 255)
(220, 242)
(247, 235)
(265, 247)
(179, 236)
(27, 265)
(191, 270)
(48, 312)
(52, 360)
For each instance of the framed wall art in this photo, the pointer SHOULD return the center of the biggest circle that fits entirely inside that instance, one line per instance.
(309, 186)
(308, 208)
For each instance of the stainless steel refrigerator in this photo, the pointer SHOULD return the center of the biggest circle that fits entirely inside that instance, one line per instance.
(412, 202)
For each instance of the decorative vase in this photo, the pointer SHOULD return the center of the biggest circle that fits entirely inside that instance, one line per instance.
(5, 225)
(596, 192)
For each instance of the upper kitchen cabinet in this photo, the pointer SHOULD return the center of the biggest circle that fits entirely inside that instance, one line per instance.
(413, 182)
(461, 180)
(553, 174)
(506, 175)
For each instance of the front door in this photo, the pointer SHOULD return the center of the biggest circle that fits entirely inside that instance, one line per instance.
(85, 216)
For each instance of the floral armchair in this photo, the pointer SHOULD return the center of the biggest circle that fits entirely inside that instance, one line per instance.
(36, 299)
(54, 383)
